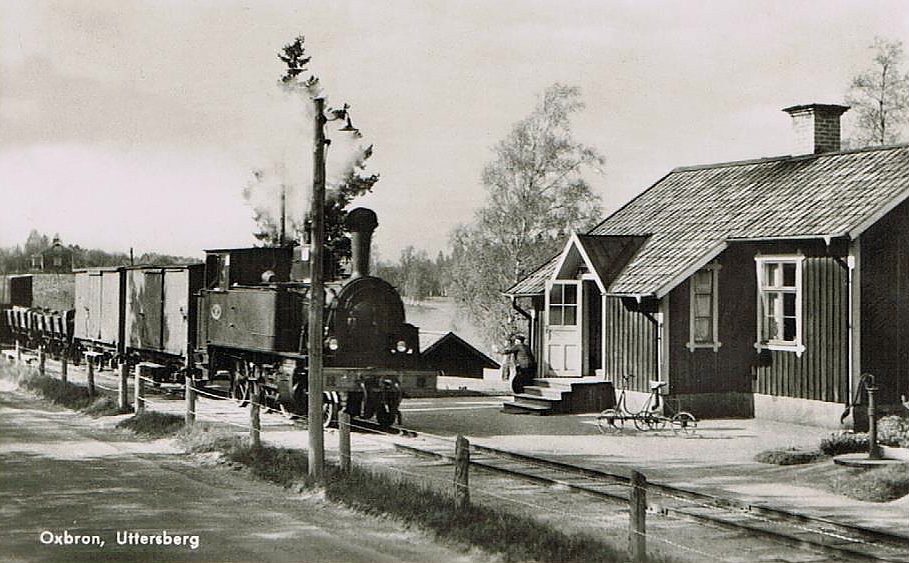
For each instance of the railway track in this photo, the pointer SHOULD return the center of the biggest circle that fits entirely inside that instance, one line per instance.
(843, 541)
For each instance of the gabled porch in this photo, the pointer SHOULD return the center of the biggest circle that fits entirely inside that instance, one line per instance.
(573, 339)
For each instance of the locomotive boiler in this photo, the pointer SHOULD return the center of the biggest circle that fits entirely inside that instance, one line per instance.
(252, 329)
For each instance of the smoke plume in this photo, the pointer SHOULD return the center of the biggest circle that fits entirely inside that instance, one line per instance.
(287, 157)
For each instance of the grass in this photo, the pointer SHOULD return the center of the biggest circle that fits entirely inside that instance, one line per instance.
(516, 537)
(58, 392)
(105, 406)
(153, 424)
(64, 393)
(788, 456)
(874, 485)
(203, 437)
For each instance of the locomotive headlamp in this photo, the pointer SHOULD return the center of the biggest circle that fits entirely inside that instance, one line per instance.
(333, 344)
(401, 346)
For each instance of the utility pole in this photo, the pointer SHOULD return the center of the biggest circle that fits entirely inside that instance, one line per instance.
(317, 296)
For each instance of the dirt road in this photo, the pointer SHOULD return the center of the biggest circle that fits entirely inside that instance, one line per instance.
(67, 480)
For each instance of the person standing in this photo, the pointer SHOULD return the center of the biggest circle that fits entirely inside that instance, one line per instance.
(525, 363)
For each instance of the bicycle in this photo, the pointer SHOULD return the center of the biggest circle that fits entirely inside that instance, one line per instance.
(647, 418)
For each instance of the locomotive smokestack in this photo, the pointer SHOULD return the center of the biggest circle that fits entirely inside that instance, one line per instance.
(361, 222)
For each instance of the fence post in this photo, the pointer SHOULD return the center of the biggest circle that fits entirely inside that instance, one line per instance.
(462, 482)
(91, 376)
(254, 438)
(190, 395)
(18, 352)
(344, 435)
(140, 390)
(123, 395)
(42, 358)
(63, 367)
(637, 529)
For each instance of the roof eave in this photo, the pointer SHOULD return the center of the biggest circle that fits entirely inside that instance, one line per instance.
(878, 214)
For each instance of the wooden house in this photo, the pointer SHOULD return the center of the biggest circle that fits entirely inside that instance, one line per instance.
(452, 355)
(756, 288)
(55, 259)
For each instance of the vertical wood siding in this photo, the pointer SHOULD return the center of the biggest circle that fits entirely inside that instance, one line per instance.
(821, 372)
(630, 346)
(885, 304)
(728, 369)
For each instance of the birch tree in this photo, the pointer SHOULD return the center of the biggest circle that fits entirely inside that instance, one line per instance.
(879, 96)
(537, 194)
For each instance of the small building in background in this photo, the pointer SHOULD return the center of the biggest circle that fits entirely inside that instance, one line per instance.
(55, 259)
(453, 356)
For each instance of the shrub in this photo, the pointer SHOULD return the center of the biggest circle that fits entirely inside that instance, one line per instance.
(845, 443)
(105, 406)
(153, 424)
(893, 431)
(790, 456)
(204, 438)
(283, 466)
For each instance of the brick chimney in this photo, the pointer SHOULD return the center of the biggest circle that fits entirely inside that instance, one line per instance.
(817, 127)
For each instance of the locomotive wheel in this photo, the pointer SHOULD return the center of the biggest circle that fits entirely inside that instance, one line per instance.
(329, 410)
(384, 416)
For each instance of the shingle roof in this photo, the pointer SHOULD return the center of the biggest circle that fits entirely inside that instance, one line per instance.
(438, 341)
(609, 253)
(691, 212)
(535, 282)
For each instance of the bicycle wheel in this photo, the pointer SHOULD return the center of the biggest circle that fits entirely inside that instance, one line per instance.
(643, 421)
(658, 421)
(610, 421)
(684, 424)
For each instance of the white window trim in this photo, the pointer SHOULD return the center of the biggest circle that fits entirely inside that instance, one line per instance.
(798, 346)
(715, 345)
(577, 305)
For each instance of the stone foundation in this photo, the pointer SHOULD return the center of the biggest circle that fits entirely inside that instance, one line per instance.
(798, 411)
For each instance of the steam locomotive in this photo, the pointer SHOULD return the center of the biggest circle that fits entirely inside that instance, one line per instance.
(241, 317)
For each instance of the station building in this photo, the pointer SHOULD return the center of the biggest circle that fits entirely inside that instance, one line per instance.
(757, 288)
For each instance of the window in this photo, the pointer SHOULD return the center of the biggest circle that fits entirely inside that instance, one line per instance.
(563, 304)
(703, 315)
(780, 303)
(58, 261)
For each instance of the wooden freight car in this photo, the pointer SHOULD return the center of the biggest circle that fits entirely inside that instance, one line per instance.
(99, 321)
(160, 313)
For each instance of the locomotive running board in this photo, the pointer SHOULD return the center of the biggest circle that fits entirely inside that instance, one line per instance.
(349, 379)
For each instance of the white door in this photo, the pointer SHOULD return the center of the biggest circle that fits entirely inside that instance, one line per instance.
(563, 328)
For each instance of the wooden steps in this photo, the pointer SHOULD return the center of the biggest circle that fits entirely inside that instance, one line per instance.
(548, 396)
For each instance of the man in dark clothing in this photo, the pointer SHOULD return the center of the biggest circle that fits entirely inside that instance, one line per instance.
(525, 364)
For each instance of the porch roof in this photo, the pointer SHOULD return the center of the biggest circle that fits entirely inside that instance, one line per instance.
(692, 212)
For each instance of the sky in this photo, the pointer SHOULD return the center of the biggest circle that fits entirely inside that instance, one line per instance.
(128, 123)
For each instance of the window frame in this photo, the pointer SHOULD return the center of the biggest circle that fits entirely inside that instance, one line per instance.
(714, 343)
(798, 344)
(562, 305)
